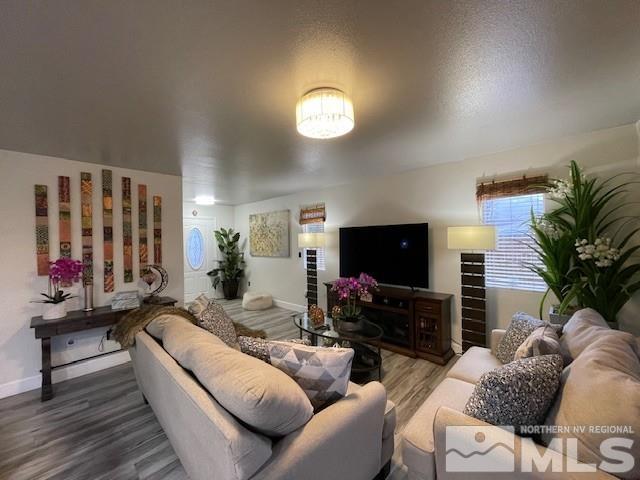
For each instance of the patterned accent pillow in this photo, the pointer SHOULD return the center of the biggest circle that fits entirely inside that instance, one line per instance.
(517, 394)
(259, 347)
(517, 332)
(323, 373)
(214, 319)
(198, 305)
(542, 341)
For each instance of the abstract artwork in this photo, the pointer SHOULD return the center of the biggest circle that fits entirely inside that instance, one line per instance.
(269, 234)
(86, 194)
(143, 251)
(157, 230)
(42, 229)
(64, 209)
(127, 235)
(107, 228)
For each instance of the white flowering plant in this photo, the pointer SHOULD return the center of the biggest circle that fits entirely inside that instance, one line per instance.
(582, 265)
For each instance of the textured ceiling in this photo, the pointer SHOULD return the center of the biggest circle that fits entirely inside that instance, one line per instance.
(207, 89)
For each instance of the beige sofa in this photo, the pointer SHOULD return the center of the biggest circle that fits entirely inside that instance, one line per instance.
(423, 439)
(351, 439)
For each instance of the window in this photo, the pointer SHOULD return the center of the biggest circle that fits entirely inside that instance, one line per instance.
(314, 228)
(505, 266)
(195, 248)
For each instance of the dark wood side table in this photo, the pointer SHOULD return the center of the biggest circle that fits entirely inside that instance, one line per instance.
(75, 321)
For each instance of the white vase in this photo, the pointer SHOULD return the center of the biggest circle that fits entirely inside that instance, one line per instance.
(54, 310)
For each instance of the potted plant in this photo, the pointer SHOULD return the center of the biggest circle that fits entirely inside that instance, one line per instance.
(231, 268)
(349, 290)
(62, 272)
(583, 264)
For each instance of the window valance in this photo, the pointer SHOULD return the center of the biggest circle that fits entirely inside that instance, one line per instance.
(511, 188)
(313, 214)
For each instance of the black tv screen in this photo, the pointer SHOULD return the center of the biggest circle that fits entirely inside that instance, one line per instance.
(392, 254)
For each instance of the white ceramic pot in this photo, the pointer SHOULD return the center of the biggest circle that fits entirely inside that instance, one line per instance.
(54, 310)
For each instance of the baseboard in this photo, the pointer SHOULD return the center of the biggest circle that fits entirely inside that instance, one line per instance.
(289, 306)
(83, 367)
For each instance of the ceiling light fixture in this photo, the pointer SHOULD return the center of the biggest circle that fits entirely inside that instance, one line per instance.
(324, 113)
(205, 200)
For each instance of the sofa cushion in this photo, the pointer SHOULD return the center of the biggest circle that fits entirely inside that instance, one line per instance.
(417, 437)
(517, 332)
(473, 364)
(542, 341)
(259, 347)
(156, 327)
(600, 388)
(390, 416)
(258, 394)
(517, 394)
(214, 319)
(323, 373)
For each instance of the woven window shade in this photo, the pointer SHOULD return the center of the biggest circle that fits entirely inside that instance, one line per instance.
(511, 188)
(313, 214)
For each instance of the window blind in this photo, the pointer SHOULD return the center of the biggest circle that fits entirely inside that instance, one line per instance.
(320, 252)
(505, 265)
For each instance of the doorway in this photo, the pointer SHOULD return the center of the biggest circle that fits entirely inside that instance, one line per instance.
(200, 255)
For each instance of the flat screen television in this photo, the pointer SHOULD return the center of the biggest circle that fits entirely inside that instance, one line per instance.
(392, 254)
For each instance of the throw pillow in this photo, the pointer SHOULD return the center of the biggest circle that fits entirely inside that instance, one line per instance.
(323, 373)
(262, 397)
(198, 305)
(259, 347)
(600, 388)
(517, 394)
(517, 332)
(214, 319)
(542, 341)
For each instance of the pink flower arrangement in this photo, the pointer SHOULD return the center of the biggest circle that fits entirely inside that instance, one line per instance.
(63, 271)
(352, 288)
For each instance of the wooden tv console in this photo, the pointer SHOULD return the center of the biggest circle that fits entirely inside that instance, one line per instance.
(415, 323)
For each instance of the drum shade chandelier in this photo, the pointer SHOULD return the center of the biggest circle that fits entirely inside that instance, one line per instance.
(324, 113)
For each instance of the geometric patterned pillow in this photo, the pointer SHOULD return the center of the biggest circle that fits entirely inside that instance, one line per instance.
(517, 332)
(259, 347)
(214, 319)
(323, 373)
(517, 394)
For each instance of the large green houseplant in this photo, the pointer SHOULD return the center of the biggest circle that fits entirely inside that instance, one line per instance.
(231, 268)
(584, 244)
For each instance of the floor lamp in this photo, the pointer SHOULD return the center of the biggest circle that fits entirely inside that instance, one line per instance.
(472, 241)
(311, 241)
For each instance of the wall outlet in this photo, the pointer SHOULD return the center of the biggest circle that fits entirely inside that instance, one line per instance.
(248, 283)
(70, 341)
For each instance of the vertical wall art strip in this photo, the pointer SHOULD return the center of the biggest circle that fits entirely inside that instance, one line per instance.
(64, 201)
(107, 225)
(143, 251)
(86, 194)
(42, 230)
(157, 230)
(127, 240)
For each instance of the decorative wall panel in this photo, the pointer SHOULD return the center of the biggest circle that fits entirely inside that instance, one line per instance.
(107, 228)
(86, 203)
(64, 215)
(127, 240)
(157, 230)
(42, 230)
(143, 249)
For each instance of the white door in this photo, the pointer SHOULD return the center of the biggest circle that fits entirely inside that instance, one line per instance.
(200, 254)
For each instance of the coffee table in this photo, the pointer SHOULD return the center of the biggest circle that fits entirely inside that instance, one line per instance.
(365, 342)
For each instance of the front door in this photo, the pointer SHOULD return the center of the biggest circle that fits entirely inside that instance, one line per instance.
(200, 254)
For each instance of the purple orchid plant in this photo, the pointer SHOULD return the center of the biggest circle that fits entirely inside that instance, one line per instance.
(349, 290)
(63, 271)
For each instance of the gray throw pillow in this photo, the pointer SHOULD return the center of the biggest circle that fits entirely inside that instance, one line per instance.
(517, 332)
(198, 305)
(517, 394)
(259, 347)
(214, 319)
(323, 373)
(542, 341)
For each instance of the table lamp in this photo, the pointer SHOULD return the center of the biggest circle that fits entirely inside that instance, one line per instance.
(476, 239)
(311, 241)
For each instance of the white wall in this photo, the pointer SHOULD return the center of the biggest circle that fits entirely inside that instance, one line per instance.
(19, 172)
(442, 195)
(223, 214)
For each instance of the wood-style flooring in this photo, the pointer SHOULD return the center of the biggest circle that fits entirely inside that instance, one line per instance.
(98, 428)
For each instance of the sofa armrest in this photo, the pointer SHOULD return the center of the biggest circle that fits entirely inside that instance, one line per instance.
(523, 449)
(343, 441)
(496, 336)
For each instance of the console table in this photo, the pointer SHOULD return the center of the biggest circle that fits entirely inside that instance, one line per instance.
(414, 322)
(75, 321)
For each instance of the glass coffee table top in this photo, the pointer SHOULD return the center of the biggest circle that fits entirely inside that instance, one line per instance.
(368, 333)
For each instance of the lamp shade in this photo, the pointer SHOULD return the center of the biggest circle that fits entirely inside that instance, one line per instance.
(324, 113)
(471, 237)
(310, 240)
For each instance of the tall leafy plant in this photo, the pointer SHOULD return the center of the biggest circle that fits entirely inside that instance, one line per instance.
(583, 265)
(231, 268)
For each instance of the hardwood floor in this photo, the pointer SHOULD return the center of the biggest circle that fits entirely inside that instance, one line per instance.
(97, 427)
